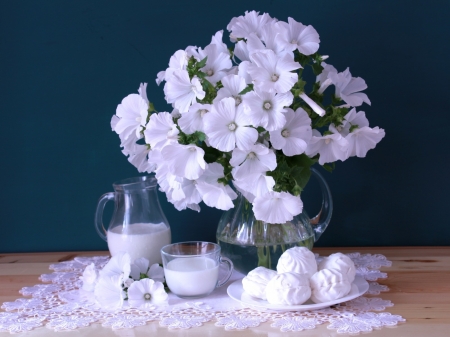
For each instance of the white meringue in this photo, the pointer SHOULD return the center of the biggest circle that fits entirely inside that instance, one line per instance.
(256, 281)
(329, 285)
(298, 260)
(340, 262)
(288, 288)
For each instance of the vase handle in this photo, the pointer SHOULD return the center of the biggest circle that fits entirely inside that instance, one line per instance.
(320, 222)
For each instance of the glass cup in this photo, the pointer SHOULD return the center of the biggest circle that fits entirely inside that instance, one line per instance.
(192, 268)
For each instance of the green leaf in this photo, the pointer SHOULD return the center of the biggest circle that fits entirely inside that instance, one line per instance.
(202, 63)
(329, 167)
(247, 89)
(200, 136)
(353, 127)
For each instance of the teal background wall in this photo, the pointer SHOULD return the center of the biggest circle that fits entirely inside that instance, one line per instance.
(65, 65)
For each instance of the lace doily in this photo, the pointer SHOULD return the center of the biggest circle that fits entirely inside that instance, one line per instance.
(61, 305)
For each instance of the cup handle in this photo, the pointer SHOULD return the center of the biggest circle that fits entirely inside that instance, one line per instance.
(99, 214)
(230, 271)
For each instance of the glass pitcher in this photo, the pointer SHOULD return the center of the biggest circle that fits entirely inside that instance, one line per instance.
(138, 225)
(251, 243)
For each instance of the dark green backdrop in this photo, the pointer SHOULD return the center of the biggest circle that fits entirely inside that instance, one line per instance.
(65, 65)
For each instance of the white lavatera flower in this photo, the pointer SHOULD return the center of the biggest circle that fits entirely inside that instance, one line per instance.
(184, 160)
(270, 40)
(363, 139)
(256, 159)
(241, 51)
(254, 185)
(217, 40)
(227, 126)
(265, 108)
(192, 120)
(89, 278)
(214, 193)
(243, 71)
(301, 37)
(132, 113)
(160, 77)
(160, 130)
(232, 86)
(145, 293)
(181, 91)
(323, 77)
(217, 63)
(348, 88)
(186, 196)
(119, 264)
(251, 22)
(108, 291)
(138, 267)
(143, 91)
(277, 207)
(270, 72)
(294, 136)
(138, 157)
(352, 118)
(329, 147)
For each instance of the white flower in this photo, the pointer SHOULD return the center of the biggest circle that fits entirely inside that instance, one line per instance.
(119, 264)
(348, 87)
(241, 51)
(186, 195)
(108, 291)
(142, 266)
(254, 185)
(294, 136)
(217, 64)
(133, 115)
(184, 160)
(265, 108)
(143, 91)
(243, 71)
(270, 35)
(352, 118)
(181, 91)
(251, 22)
(145, 293)
(226, 126)
(160, 130)
(323, 77)
(217, 40)
(89, 278)
(138, 157)
(232, 86)
(257, 159)
(363, 139)
(160, 76)
(330, 147)
(214, 193)
(270, 72)
(277, 207)
(301, 37)
(192, 120)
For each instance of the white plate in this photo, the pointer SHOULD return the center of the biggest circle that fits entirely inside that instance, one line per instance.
(236, 292)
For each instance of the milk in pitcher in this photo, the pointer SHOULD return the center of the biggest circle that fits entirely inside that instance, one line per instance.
(139, 240)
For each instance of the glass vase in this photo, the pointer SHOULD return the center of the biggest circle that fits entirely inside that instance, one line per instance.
(250, 243)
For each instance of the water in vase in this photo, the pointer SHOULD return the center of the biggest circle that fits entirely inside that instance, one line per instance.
(248, 257)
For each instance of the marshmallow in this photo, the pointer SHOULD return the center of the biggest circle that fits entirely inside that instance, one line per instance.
(329, 285)
(298, 260)
(256, 281)
(288, 288)
(340, 262)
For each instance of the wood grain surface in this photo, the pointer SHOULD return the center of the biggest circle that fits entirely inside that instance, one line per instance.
(419, 282)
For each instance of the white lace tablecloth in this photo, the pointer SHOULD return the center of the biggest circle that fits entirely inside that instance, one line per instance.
(60, 305)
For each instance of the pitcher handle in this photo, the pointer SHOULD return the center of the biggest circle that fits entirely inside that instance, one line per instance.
(320, 222)
(99, 214)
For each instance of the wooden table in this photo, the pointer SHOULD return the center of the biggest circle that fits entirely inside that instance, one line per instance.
(419, 282)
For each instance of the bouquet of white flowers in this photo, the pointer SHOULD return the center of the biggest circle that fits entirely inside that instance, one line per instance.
(241, 117)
